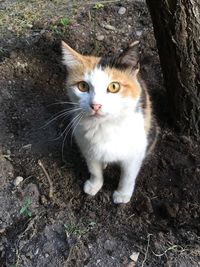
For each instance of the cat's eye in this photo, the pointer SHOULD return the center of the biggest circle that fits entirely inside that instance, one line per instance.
(83, 86)
(113, 87)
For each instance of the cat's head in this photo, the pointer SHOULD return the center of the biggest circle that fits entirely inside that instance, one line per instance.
(104, 88)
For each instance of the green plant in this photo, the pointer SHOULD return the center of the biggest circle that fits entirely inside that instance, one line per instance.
(64, 22)
(98, 6)
(72, 229)
(25, 210)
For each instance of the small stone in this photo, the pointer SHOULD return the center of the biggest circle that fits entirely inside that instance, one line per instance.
(122, 10)
(109, 27)
(2, 230)
(131, 264)
(89, 246)
(18, 180)
(134, 256)
(109, 245)
(44, 200)
(100, 37)
(138, 33)
(37, 251)
(172, 209)
(30, 25)
(28, 146)
(8, 152)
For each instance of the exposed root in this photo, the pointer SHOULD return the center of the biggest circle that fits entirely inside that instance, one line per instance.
(147, 250)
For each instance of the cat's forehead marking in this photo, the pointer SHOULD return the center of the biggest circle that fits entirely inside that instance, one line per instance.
(90, 62)
(98, 78)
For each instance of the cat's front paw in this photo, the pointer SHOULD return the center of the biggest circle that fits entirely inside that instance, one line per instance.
(120, 197)
(90, 188)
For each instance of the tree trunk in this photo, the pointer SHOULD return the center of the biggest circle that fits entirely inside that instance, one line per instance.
(177, 31)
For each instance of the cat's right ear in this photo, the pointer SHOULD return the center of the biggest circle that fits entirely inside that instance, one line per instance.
(70, 57)
(130, 58)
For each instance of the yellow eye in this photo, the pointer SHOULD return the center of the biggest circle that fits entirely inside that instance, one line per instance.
(113, 87)
(83, 86)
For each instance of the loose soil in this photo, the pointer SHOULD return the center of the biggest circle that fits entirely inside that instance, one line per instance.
(161, 222)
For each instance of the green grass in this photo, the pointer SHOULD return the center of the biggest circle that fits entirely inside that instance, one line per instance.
(64, 22)
(98, 5)
(21, 17)
(76, 230)
(25, 209)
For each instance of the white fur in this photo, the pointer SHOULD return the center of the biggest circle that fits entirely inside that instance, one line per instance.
(69, 59)
(117, 135)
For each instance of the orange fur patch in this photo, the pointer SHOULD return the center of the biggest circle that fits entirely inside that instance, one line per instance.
(87, 63)
(147, 114)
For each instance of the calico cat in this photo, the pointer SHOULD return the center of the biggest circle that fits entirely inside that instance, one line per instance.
(112, 118)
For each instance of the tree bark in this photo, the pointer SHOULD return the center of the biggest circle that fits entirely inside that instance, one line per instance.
(177, 31)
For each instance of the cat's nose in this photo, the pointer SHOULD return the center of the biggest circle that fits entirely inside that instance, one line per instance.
(95, 107)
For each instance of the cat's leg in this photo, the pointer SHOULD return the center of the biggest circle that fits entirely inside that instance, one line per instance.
(129, 172)
(94, 184)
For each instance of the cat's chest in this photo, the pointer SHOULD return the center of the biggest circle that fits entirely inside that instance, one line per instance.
(112, 142)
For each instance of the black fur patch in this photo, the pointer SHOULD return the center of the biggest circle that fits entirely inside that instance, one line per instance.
(128, 59)
(142, 104)
(152, 135)
(111, 62)
(143, 97)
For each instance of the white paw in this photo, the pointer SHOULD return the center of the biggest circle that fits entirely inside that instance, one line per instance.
(119, 197)
(91, 189)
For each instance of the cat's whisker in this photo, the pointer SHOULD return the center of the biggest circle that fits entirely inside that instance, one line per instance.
(70, 125)
(60, 114)
(57, 138)
(66, 117)
(62, 102)
(67, 130)
(82, 114)
(64, 110)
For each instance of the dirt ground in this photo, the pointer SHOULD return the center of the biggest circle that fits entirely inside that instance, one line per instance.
(162, 221)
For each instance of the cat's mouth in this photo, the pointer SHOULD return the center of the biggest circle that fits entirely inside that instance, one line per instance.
(96, 115)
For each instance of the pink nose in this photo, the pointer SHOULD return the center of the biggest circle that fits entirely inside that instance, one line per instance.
(95, 107)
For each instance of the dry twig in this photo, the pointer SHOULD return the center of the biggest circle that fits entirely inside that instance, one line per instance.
(48, 178)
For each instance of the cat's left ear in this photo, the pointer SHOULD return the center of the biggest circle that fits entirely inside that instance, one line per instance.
(71, 58)
(129, 58)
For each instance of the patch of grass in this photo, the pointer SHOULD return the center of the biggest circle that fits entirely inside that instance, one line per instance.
(25, 209)
(59, 26)
(76, 230)
(20, 17)
(64, 22)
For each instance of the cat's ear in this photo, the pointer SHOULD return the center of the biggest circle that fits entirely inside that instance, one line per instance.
(130, 58)
(71, 58)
